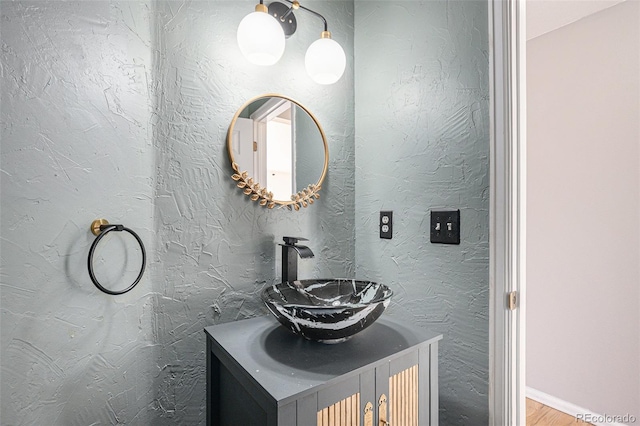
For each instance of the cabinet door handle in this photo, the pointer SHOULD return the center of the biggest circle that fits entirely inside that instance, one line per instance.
(382, 410)
(368, 414)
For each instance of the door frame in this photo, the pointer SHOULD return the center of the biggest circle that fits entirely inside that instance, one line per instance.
(507, 268)
(267, 112)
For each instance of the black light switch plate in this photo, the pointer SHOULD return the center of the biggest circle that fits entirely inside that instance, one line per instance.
(445, 226)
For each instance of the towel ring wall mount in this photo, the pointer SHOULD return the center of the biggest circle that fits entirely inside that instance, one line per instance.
(100, 228)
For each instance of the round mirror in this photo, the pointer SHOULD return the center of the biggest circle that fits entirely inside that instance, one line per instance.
(278, 151)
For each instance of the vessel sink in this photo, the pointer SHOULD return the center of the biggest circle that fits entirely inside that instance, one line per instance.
(327, 310)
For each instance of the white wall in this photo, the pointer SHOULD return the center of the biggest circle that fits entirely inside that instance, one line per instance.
(544, 16)
(583, 323)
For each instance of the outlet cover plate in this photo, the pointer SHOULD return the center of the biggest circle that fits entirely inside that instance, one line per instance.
(386, 224)
(445, 226)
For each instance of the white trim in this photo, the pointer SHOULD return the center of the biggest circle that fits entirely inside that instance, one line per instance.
(507, 43)
(566, 407)
(271, 109)
(268, 111)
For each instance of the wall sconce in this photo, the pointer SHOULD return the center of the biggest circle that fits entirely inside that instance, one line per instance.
(261, 41)
(260, 37)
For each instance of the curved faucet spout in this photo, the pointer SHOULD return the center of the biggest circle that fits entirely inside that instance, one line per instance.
(303, 251)
(290, 253)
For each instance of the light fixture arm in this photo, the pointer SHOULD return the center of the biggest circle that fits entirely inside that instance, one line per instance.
(283, 12)
(289, 12)
(295, 5)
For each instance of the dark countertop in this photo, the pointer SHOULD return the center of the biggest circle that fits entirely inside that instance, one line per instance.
(287, 366)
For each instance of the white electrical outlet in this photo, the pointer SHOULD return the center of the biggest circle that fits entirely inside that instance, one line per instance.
(386, 224)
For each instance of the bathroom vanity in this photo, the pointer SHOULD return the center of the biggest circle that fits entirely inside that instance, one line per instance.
(259, 373)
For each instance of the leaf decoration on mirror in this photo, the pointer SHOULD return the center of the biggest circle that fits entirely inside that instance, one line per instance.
(306, 197)
(252, 189)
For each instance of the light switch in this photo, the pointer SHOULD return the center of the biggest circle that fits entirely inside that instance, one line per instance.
(445, 226)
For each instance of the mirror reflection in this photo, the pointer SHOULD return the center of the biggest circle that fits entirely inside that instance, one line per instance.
(280, 145)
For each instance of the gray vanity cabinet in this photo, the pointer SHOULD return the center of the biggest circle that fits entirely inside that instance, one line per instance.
(258, 373)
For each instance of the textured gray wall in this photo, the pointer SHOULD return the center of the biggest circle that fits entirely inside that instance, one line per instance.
(216, 248)
(422, 142)
(76, 146)
(120, 110)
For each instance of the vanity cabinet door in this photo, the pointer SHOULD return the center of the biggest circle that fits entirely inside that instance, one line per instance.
(403, 402)
(336, 405)
(406, 389)
(399, 392)
(345, 412)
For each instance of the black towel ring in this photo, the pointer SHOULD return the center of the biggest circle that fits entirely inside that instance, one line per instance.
(101, 227)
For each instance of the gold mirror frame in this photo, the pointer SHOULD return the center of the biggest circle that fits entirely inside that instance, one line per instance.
(253, 189)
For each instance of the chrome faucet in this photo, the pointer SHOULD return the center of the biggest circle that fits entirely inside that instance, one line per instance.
(290, 252)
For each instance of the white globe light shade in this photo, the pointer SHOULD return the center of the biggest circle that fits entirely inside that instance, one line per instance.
(261, 38)
(325, 61)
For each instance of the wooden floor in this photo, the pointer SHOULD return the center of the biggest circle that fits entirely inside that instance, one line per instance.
(541, 415)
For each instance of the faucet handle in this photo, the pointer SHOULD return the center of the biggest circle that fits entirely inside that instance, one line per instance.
(293, 240)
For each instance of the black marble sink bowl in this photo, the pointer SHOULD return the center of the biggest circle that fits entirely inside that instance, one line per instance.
(327, 310)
